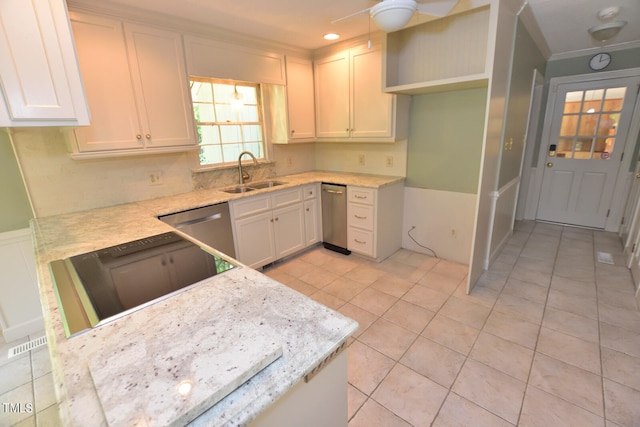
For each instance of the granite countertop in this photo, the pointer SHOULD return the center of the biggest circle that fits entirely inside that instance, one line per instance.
(306, 331)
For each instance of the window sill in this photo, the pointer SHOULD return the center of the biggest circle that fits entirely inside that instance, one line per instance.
(231, 165)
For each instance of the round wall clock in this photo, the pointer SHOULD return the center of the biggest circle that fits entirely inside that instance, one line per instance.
(599, 61)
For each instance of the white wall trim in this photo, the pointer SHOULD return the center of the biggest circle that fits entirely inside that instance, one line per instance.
(23, 329)
(502, 201)
(20, 311)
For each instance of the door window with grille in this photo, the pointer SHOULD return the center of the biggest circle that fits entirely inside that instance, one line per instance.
(228, 119)
(589, 123)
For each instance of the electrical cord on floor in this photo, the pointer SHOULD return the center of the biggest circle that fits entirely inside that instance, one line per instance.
(422, 246)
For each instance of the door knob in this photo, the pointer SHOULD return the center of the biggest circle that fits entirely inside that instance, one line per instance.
(549, 165)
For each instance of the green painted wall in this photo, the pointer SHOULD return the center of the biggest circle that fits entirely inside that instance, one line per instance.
(15, 211)
(445, 140)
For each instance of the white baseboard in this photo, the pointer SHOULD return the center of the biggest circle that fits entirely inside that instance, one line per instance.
(29, 327)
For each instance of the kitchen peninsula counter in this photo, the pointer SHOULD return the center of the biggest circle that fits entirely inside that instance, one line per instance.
(308, 332)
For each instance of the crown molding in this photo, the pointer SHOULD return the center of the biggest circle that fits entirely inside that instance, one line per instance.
(184, 26)
(592, 51)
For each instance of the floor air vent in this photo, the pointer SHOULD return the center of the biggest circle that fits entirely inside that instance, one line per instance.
(28, 346)
(605, 258)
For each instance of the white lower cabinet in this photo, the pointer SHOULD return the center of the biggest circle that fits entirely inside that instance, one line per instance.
(269, 227)
(374, 220)
(312, 220)
(255, 245)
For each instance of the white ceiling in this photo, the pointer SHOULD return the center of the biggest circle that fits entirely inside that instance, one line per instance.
(302, 23)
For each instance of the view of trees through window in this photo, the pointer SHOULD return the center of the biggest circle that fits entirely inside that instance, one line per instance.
(228, 119)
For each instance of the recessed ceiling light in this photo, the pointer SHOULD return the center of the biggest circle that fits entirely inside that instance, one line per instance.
(331, 36)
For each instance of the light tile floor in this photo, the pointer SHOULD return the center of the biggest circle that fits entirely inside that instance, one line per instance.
(27, 396)
(548, 337)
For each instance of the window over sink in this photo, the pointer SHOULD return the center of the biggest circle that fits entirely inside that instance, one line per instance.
(229, 119)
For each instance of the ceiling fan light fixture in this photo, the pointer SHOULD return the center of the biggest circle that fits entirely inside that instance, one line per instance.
(392, 15)
(606, 31)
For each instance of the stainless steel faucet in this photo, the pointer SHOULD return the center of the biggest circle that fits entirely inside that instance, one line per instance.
(245, 175)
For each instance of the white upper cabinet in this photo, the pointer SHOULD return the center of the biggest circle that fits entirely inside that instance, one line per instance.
(332, 96)
(137, 87)
(300, 100)
(350, 104)
(39, 76)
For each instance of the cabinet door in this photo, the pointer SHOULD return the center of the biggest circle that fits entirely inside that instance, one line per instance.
(311, 222)
(289, 230)
(102, 54)
(254, 240)
(38, 70)
(300, 100)
(161, 86)
(371, 109)
(332, 96)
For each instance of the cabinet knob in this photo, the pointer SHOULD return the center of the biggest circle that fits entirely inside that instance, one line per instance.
(138, 136)
(148, 136)
(293, 131)
(307, 209)
(276, 218)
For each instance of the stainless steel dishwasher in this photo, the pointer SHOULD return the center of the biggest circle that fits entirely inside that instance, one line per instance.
(334, 217)
(209, 224)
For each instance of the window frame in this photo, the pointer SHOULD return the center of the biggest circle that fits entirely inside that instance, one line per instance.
(226, 163)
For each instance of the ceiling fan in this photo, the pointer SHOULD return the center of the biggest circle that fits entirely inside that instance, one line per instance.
(392, 15)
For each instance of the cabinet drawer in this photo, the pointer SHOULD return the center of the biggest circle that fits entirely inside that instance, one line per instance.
(360, 241)
(361, 195)
(250, 206)
(360, 216)
(286, 197)
(310, 191)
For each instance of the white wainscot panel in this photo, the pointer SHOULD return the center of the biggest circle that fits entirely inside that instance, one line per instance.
(504, 215)
(443, 221)
(20, 312)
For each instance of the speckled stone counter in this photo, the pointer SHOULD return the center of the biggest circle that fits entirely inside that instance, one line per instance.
(306, 331)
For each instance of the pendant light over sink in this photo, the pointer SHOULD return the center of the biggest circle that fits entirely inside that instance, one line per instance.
(237, 100)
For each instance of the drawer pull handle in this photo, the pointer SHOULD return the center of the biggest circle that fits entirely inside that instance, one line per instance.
(360, 217)
(359, 241)
(359, 197)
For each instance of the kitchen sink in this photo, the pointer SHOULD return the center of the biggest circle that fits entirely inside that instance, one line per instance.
(238, 189)
(266, 184)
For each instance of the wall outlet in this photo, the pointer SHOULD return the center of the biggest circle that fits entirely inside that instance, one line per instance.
(361, 160)
(389, 161)
(155, 178)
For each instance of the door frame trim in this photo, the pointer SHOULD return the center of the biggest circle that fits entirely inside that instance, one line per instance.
(622, 178)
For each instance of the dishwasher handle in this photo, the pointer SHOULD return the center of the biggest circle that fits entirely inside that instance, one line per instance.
(198, 220)
(339, 192)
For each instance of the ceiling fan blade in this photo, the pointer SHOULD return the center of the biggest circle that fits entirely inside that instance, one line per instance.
(351, 15)
(437, 7)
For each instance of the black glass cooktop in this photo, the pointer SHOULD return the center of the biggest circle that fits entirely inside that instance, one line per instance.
(117, 280)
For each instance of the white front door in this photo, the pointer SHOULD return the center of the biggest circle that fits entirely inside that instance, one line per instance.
(584, 143)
